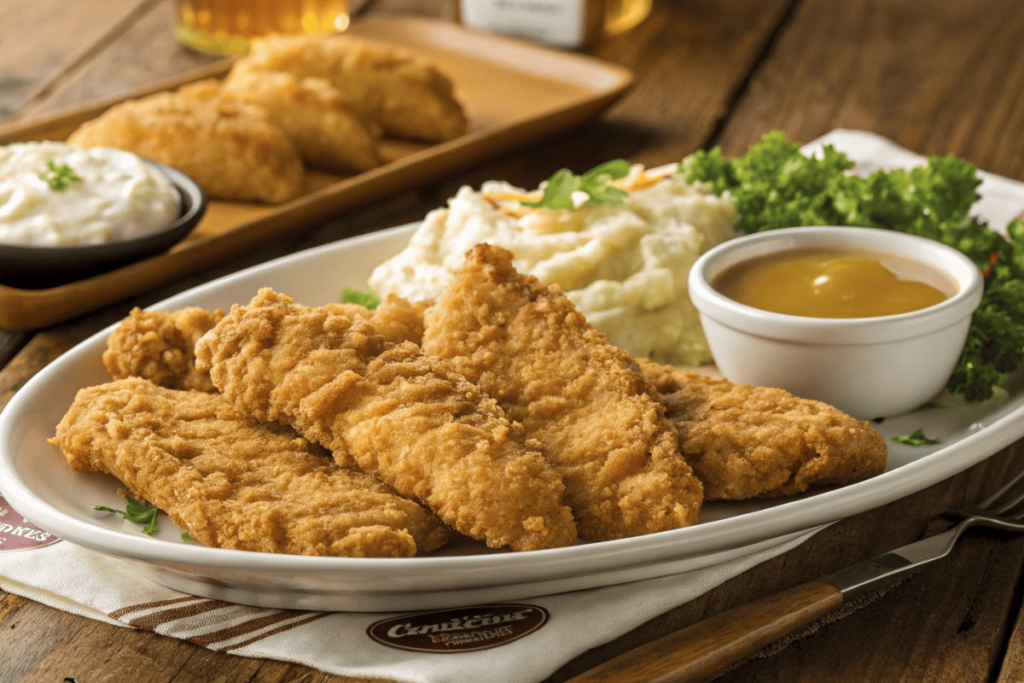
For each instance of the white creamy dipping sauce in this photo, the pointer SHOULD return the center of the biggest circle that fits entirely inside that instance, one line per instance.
(114, 196)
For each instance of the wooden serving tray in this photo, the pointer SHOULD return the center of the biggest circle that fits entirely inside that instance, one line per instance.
(514, 93)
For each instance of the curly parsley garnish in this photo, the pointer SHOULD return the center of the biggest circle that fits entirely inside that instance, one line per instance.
(594, 183)
(58, 177)
(775, 186)
(137, 512)
(354, 296)
(916, 439)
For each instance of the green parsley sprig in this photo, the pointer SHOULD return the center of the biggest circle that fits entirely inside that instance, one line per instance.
(58, 177)
(563, 183)
(775, 186)
(136, 512)
(365, 299)
(916, 438)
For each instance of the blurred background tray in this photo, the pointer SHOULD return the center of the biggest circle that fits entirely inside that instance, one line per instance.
(514, 93)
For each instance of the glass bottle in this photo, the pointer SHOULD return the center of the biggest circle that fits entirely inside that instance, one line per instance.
(561, 23)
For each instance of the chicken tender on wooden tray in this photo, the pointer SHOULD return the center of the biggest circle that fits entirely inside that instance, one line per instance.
(754, 442)
(407, 95)
(326, 131)
(405, 417)
(583, 399)
(234, 150)
(160, 346)
(235, 483)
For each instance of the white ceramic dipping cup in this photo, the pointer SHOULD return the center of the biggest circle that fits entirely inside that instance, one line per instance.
(867, 367)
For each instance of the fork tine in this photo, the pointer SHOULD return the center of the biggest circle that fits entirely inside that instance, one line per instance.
(989, 504)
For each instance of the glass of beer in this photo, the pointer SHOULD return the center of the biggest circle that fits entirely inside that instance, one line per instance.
(224, 27)
(622, 15)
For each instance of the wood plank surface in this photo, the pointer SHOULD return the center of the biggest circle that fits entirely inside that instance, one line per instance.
(73, 33)
(937, 77)
(856, 65)
(137, 57)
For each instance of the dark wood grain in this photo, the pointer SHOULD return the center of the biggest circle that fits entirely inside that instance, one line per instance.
(938, 77)
(140, 56)
(1012, 666)
(693, 653)
(942, 624)
(934, 77)
(64, 37)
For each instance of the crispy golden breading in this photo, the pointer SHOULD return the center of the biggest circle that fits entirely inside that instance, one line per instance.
(159, 346)
(206, 90)
(235, 483)
(407, 95)
(234, 150)
(399, 319)
(326, 131)
(755, 442)
(403, 416)
(527, 346)
(395, 318)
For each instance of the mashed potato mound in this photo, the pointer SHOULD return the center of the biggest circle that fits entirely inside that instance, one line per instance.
(624, 265)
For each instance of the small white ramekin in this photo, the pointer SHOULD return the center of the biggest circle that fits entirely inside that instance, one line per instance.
(866, 367)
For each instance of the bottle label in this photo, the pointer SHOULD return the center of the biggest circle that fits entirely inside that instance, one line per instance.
(555, 22)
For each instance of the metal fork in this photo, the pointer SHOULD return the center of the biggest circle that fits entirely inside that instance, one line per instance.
(695, 652)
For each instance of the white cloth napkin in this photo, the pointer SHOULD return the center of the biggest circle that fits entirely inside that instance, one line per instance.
(71, 578)
(77, 580)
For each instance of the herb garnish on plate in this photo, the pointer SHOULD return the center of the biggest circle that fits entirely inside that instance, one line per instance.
(916, 438)
(364, 299)
(137, 512)
(559, 189)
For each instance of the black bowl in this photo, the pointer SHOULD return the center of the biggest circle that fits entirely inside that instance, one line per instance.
(27, 267)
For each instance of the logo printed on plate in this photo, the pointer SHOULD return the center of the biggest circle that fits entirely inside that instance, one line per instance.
(17, 533)
(459, 630)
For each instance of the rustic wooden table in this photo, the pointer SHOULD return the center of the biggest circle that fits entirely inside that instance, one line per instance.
(939, 77)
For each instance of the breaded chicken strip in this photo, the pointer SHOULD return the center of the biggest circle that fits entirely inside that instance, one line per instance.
(326, 131)
(235, 483)
(234, 150)
(399, 319)
(159, 346)
(584, 400)
(403, 416)
(407, 95)
(754, 442)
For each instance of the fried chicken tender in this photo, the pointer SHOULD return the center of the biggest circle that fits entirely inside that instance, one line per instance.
(399, 319)
(403, 416)
(527, 346)
(159, 346)
(326, 131)
(754, 442)
(234, 150)
(407, 95)
(235, 483)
